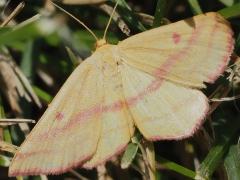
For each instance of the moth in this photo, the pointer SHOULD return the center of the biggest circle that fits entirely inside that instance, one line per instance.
(149, 81)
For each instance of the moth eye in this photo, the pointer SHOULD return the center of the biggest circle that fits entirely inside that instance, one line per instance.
(176, 38)
(59, 116)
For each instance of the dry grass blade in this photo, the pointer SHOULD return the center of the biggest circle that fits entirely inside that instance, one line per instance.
(8, 122)
(27, 86)
(4, 146)
(145, 18)
(79, 176)
(16, 11)
(102, 173)
(225, 99)
(117, 18)
(14, 84)
(45, 77)
(223, 91)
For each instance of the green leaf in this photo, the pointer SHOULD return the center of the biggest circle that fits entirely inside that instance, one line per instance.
(227, 2)
(43, 94)
(72, 56)
(2, 113)
(22, 31)
(195, 6)
(237, 44)
(6, 132)
(175, 167)
(4, 30)
(4, 161)
(226, 129)
(232, 163)
(230, 12)
(27, 69)
(129, 155)
(131, 151)
(160, 12)
(36, 26)
(26, 63)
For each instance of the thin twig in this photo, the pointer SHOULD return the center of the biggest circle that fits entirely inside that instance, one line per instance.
(16, 11)
(138, 169)
(17, 121)
(216, 104)
(225, 99)
(79, 176)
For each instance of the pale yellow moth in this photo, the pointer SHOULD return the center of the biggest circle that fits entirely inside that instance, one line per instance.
(149, 81)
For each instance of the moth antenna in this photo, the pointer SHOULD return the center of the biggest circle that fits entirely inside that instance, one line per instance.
(110, 19)
(75, 18)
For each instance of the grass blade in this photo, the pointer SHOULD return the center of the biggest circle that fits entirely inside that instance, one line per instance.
(30, 29)
(4, 161)
(230, 12)
(162, 162)
(232, 163)
(226, 130)
(160, 12)
(195, 6)
(227, 2)
(129, 155)
(42, 94)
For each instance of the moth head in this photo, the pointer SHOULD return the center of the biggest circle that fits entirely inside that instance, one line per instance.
(100, 43)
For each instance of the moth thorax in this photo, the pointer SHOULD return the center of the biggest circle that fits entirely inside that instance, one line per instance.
(100, 43)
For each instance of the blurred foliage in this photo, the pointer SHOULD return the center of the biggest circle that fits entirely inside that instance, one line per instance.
(47, 45)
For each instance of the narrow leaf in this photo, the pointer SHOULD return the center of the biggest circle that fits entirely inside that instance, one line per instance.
(36, 26)
(230, 12)
(160, 12)
(227, 2)
(226, 129)
(129, 155)
(195, 6)
(162, 162)
(75, 60)
(43, 94)
(4, 161)
(232, 163)
(237, 44)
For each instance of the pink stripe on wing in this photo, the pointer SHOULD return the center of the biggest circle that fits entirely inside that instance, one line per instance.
(53, 171)
(164, 69)
(59, 116)
(176, 37)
